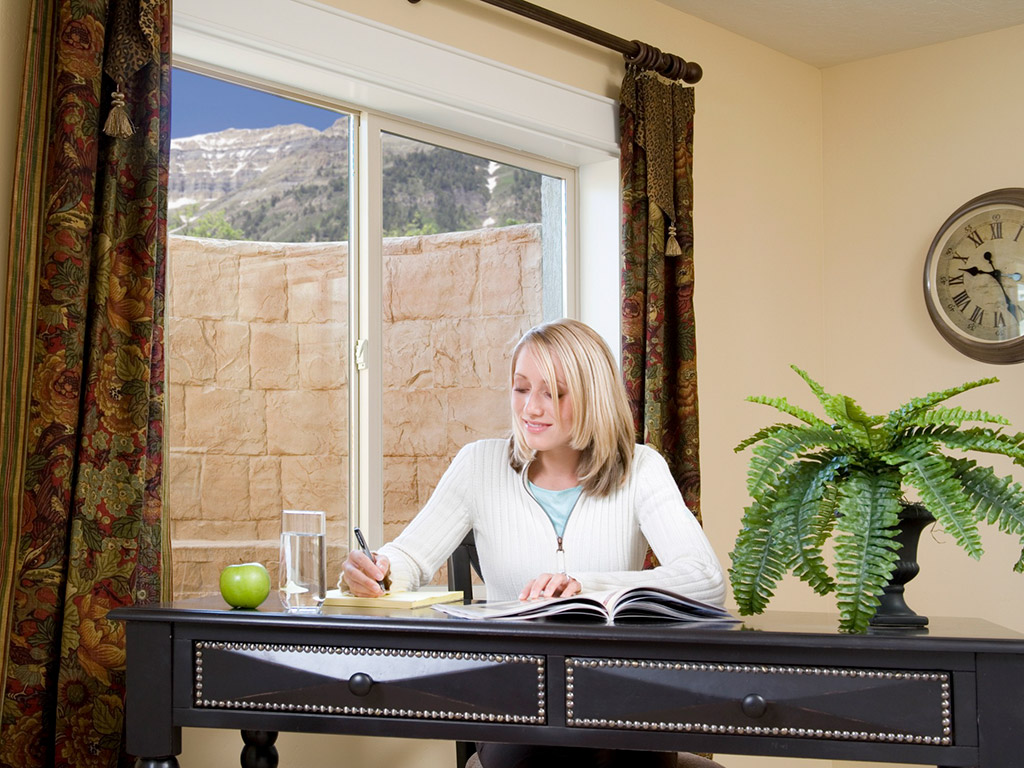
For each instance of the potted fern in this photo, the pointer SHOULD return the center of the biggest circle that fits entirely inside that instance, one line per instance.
(844, 478)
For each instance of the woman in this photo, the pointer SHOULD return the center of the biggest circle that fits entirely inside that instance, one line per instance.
(568, 503)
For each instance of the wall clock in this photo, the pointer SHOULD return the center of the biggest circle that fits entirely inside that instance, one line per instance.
(974, 277)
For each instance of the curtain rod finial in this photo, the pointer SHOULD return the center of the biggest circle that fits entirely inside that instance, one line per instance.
(692, 73)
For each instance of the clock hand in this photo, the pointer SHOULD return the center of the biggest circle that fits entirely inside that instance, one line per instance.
(996, 274)
(974, 271)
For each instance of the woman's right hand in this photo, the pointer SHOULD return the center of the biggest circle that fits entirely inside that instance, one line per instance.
(361, 574)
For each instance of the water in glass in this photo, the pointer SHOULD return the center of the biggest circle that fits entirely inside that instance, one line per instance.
(303, 561)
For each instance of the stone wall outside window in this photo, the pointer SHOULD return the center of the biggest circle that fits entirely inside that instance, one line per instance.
(257, 346)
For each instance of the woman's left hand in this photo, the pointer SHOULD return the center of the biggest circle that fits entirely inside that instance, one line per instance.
(550, 585)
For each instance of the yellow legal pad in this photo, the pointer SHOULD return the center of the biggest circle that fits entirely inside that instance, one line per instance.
(393, 599)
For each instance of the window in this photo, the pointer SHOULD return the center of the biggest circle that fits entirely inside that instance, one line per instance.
(329, 350)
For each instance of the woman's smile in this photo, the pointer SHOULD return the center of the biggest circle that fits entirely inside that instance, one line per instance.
(547, 424)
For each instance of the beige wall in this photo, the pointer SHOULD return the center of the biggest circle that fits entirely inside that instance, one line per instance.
(817, 195)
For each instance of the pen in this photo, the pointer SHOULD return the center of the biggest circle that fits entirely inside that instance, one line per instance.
(366, 551)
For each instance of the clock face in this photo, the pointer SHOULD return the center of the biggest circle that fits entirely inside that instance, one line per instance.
(974, 278)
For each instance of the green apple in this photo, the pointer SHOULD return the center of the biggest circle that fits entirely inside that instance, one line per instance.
(244, 585)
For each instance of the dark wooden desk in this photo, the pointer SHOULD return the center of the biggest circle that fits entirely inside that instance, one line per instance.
(785, 684)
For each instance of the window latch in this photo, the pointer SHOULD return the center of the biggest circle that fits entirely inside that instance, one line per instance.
(360, 351)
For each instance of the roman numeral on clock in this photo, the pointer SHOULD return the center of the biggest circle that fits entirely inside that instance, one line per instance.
(978, 315)
(962, 300)
(975, 237)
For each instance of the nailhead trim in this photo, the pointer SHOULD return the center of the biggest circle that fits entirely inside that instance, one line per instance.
(815, 733)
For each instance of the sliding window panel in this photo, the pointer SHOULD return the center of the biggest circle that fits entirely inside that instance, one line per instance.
(258, 322)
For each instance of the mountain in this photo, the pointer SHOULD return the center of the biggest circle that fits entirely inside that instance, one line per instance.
(290, 183)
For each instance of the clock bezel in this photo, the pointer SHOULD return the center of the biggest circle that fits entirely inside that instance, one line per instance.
(999, 352)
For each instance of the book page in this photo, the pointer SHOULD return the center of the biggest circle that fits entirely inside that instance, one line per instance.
(528, 609)
(655, 602)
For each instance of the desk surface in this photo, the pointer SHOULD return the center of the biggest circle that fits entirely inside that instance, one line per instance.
(778, 684)
(786, 627)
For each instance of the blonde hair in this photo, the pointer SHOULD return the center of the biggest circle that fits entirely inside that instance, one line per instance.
(602, 425)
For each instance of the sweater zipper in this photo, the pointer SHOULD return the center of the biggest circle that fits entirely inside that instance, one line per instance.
(559, 551)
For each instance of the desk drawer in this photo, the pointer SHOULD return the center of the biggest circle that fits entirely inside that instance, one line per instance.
(846, 704)
(371, 682)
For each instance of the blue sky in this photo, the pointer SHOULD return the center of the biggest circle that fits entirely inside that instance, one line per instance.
(204, 105)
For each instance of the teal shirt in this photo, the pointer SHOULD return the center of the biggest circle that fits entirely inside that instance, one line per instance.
(557, 504)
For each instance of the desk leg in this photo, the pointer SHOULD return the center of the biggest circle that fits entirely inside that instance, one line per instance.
(151, 734)
(1000, 716)
(259, 750)
(463, 751)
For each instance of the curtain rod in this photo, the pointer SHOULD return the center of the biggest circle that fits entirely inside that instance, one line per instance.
(642, 55)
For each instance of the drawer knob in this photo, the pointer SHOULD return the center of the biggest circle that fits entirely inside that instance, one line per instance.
(754, 705)
(360, 683)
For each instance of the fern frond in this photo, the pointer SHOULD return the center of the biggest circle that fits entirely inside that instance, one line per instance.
(909, 410)
(782, 404)
(998, 501)
(865, 549)
(915, 441)
(847, 412)
(772, 455)
(952, 416)
(759, 559)
(760, 435)
(813, 522)
(816, 388)
(984, 441)
(853, 420)
(933, 475)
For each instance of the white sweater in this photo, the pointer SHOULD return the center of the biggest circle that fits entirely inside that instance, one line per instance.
(603, 546)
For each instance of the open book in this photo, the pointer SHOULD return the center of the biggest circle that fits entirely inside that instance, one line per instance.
(631, 604)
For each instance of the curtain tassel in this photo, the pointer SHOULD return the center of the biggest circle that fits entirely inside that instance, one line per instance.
(672, 242)
(119, 124)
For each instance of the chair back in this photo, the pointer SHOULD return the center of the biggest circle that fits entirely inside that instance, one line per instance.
(463, 562)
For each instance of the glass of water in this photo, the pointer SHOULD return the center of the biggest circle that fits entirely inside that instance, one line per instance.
(303, 573)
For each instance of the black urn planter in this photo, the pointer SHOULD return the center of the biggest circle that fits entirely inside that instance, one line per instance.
(893, 610)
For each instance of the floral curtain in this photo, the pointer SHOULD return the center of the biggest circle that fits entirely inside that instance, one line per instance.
(659, 352)
(83, 375)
